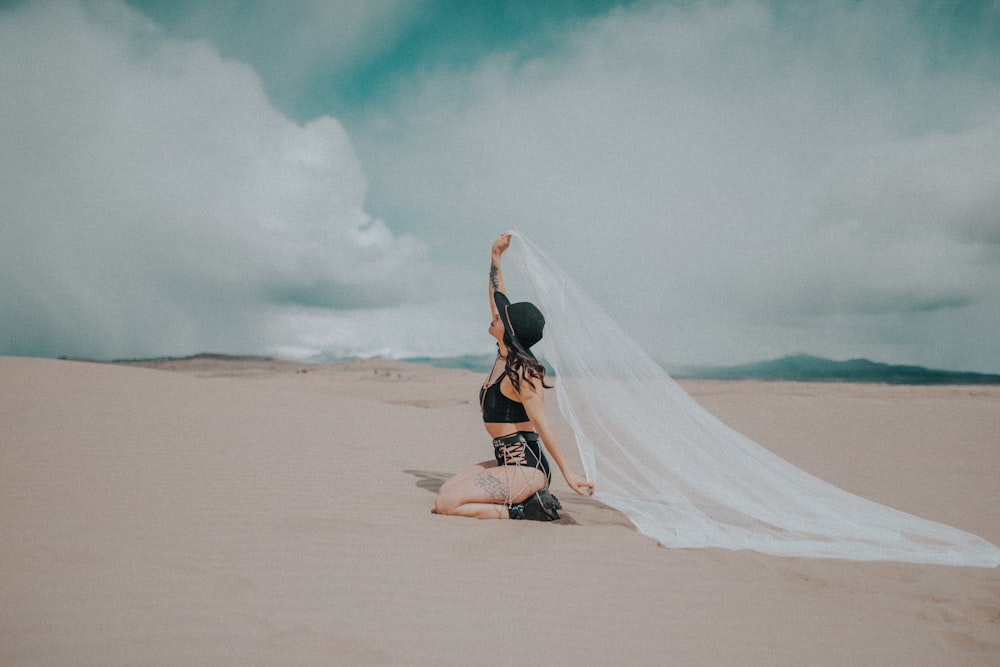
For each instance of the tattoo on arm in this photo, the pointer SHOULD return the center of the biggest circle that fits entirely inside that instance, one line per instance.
(494, 276)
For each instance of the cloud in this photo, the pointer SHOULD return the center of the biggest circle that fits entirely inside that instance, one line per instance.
(156, 203)
(730, 180)
(299, 47)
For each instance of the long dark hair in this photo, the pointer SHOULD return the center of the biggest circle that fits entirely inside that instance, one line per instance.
(519, 366)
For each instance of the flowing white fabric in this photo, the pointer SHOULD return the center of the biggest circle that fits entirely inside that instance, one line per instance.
(686, 479)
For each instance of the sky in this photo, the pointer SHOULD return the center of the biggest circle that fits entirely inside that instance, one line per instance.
(732, 181)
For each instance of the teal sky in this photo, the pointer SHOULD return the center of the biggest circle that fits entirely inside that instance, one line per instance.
(306, 76)
(732, 180)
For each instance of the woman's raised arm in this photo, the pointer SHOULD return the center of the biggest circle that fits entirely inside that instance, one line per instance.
(496, 274)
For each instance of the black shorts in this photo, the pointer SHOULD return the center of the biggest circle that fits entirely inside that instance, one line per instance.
(523, 448)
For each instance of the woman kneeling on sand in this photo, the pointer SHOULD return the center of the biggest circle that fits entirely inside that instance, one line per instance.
(515, 484)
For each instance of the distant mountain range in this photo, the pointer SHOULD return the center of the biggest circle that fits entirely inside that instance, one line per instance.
(806, 368)
(797, 368)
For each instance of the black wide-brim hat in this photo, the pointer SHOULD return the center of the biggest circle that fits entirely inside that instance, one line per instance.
(522, 322)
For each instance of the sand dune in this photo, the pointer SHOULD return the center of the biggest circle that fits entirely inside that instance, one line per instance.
(275, 513)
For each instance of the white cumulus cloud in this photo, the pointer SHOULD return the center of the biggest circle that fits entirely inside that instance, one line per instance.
(731, 181)
(156, 203)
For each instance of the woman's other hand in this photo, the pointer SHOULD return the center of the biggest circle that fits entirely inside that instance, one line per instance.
(580, 484)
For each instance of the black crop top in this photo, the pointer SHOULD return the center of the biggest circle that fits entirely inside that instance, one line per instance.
(497, 408)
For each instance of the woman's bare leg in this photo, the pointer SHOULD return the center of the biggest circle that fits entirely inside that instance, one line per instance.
(485, 490)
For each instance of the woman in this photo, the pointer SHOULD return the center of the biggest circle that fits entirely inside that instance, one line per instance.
(515, 484)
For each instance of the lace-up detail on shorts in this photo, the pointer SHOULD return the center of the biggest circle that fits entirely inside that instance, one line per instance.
(521, 449)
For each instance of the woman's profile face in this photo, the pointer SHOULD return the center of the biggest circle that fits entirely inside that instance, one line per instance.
(496, 328)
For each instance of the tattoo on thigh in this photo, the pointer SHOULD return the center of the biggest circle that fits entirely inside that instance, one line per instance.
(494, 488)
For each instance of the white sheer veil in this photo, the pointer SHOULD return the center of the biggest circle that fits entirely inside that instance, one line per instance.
(683, 477)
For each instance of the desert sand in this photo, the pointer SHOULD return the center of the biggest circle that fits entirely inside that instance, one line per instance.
(213, 512)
